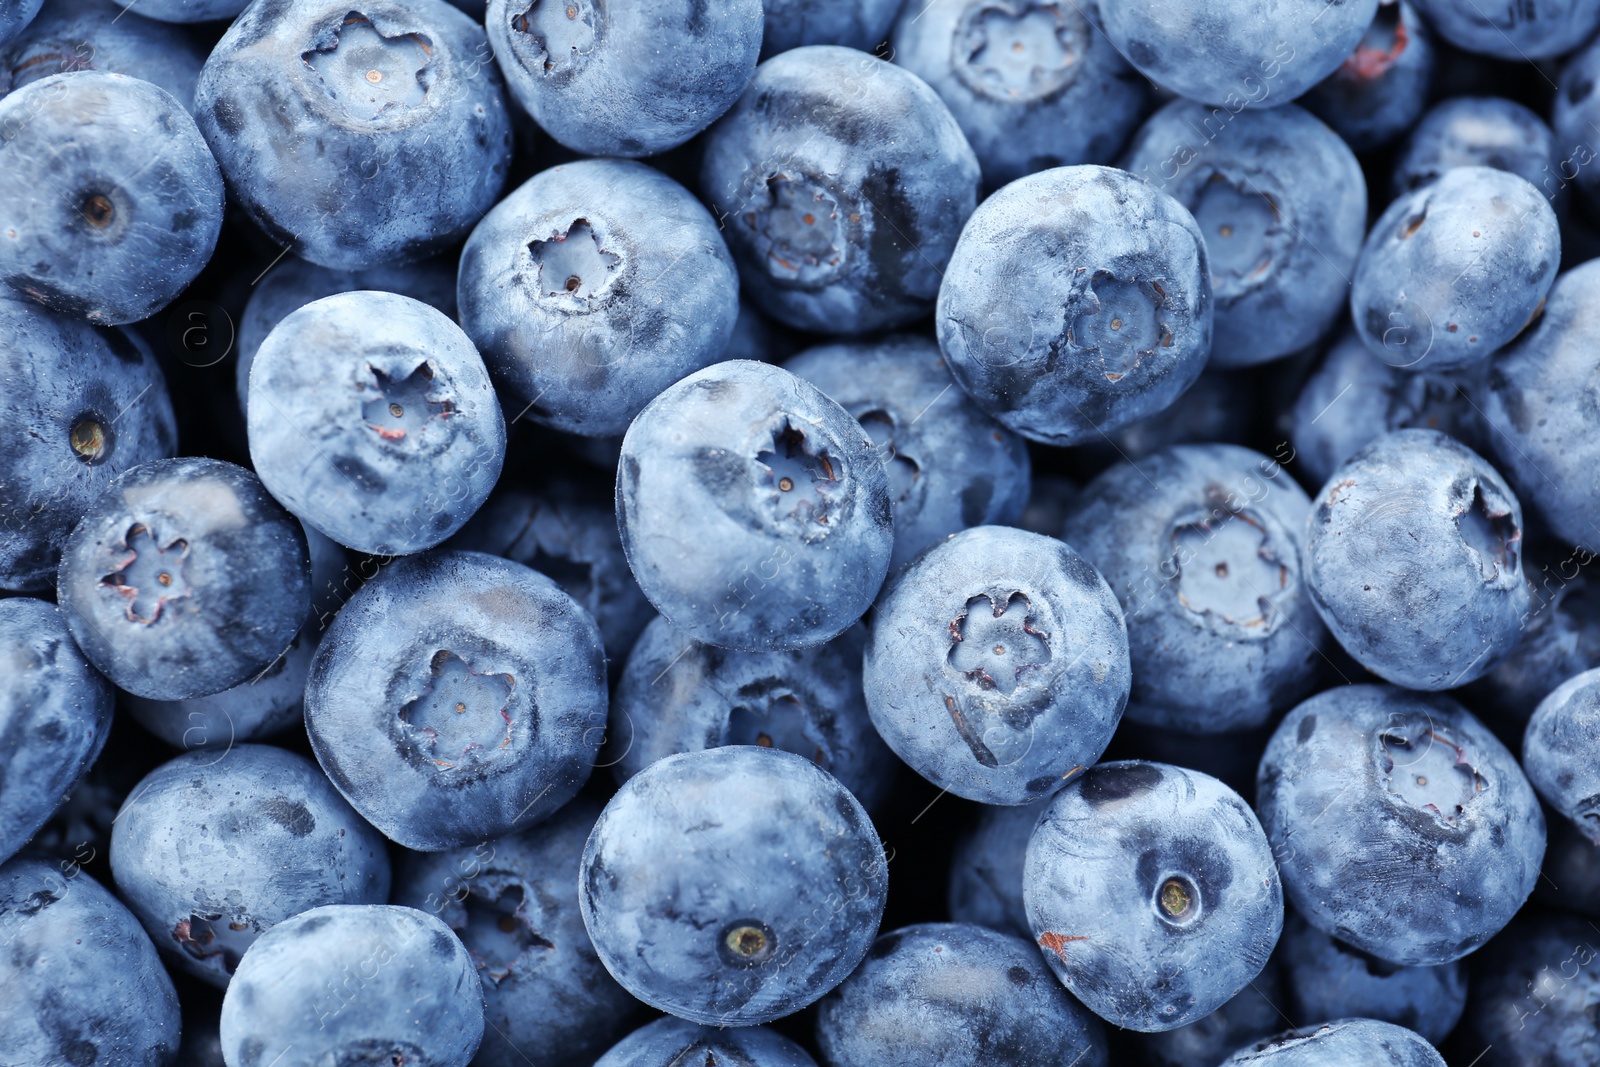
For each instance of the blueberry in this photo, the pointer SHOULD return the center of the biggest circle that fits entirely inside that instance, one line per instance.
(1413, 529)
(1559, 747)
(952, 995)
(162, 581)
(1533, 998)
(513, 901)
(1201, 544)
(1221, 406)
(1491, 234)
(1513, 29)
(1483, 131)
(732, 886)
(950, 466)
(790, 24)
(986, 869)
(1236, 57)
(15, 15)
(592, 288)
(101, 35)
(1342, 1043)
(83, 983)
(755, 512)
(81, 406)
(357, 135)
(1400, 824)
(673, 1042)
(110, 202)
(1078, 300)
(1380, 89)
(1574, 115)
(1283, 208)
(55, 713)
(998, 665)
(373, 420)
(1251, 1015)
(200, 848)
(1570, 879)
(1329, 979)
(842, 182)
(354, 984)
(192, 10)
(625, 79)
(677, 694)
(1152, 891)
(1034, 84)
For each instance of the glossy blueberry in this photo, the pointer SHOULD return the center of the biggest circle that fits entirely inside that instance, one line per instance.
(83, 983)
(1201, 544)
(1329, 979)
(1283, 207)
(593, 287)
(611, 79)
(99, 35)
(160, 582)
(998, 665)
(354, 984)
(1576, 110)
(1413, 529)
(357, 135)
(1453, 270)
(80, 407)
(954, 995)
(1559, 749)
(513, 902)
(1252, 1014)
(670, 1042)
(842, 183)
(986, 869)
(1380, 89)
(15, 15)
(950, 466)
(677, 694)
(1341, 1043)
(1260, 55)
(1033, 83)
(1078, 300)
(1400, 824)
(1533, 998)
(862, 24)
(1152, 891)
(1515, 30)
(755, 512)
(55, 713)
(457, 697)
(1483, 131)
(732, 886)
(201, 847)
(110, 202)
(372, 419)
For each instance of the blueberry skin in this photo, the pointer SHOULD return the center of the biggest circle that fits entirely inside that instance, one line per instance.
(864, 146)
(1558, 751)
(1033, 85)
(1038, 691)
(192, 10)
(81, 243)
(950, 466)
(1201, 544)
(15, 16)
(593, 287)
(211, 530)
(608, 79)
(1561, 638)
(83, 983)
(1533, 997)
(548, 1002)
(704, 465)
(1412, 872)
(81, 406)
(1331, 980)
(1152, 891)
(1484, 131)
(953, 995)
(373, 419)
(986, 869)
(677, 694)
(1571, 873)
(99, 35)
(790, 24)
(434, 632)
(1042, 262)
(55, 713)
(1283, 207)
(1575, 112)
(346, 172)
(1452, 271)
(1251, 1015)
(354, 983)
(1414, 528)
(732, 886)
(1259, 54)
(294, 283)
(670, 1042)
(1353, 398)
(1513, 29)
(1381, 88)
(203, 847)
(1342, 1043)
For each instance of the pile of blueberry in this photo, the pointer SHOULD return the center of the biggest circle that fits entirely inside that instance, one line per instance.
(799, 533)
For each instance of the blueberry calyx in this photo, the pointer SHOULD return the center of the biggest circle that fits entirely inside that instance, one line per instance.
(146, 569)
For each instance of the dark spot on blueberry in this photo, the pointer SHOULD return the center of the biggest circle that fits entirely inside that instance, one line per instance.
(1020, 976)
(1109, 783)
(292, 815)
(1308, 726)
